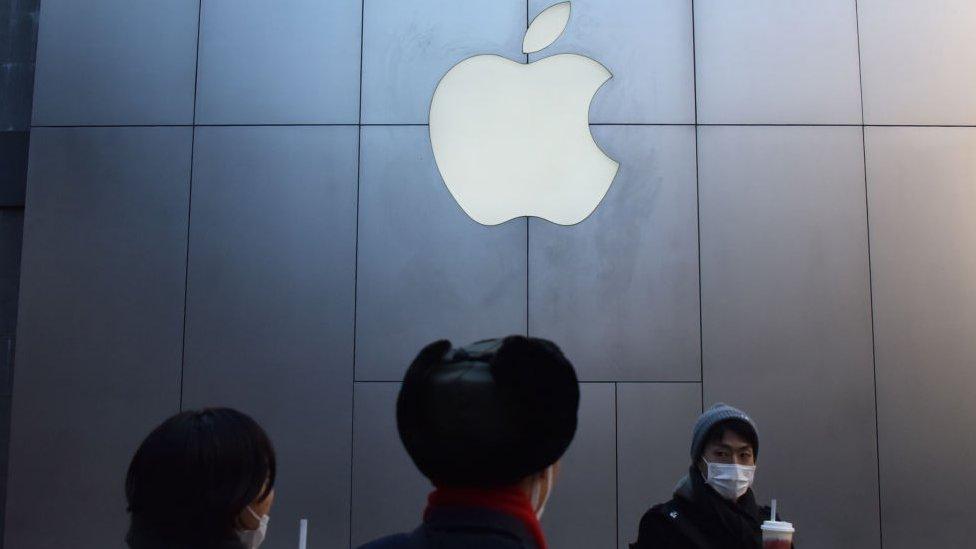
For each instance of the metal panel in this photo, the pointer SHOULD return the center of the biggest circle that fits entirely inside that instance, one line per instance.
(619, 291)
(653, 74)
(11, 237)
(654, 423)
(409, 46)
(100, 329)
(294, 61)
(426, 270)
(270, 305)
(388, 492)
(13, 168)
(763, 61)
(921, 199)
(115, 62)
(582, 512)
(786, 317)
(917, 61)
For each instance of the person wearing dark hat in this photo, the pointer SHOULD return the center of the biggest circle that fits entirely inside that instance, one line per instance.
(487, 424)
(713, 507)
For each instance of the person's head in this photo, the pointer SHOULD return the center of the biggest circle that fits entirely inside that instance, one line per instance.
(201, 476)
(725, 447)
(496, 413)
(732, 441)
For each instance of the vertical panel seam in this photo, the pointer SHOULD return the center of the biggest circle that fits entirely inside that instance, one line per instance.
(616, 462)
(189, 204)
(528, 222)
(355, 290)
(701, 338)
(867, 226)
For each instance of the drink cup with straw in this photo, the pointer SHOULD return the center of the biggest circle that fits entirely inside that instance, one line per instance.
(777, 534)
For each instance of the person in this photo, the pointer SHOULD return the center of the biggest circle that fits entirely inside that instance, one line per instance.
(713, 507)
(487, 424)
(201, 480)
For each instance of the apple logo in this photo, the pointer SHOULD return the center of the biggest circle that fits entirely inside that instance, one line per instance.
(513, 139)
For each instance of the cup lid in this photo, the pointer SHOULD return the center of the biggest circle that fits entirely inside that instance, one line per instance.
(778, 526)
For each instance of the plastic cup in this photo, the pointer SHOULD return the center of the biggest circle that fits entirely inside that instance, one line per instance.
(777, 534)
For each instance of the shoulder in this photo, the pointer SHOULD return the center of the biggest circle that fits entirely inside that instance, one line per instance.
(665, 513)
(396, 541)
(658, 526)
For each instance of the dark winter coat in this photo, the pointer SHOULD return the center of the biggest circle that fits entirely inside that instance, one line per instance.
(462, 528)
(141, 536)
(697, 517)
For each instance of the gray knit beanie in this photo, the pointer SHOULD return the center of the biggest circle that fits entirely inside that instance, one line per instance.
(718, 413)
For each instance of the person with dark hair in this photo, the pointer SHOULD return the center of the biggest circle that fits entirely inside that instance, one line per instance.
(713, 507)
(201, 480)
(487, 424)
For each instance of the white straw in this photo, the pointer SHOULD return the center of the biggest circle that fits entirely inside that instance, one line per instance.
(772, 515)
(302, 533)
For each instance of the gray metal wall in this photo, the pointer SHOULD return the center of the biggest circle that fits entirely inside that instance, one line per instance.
(18, 35)
(234, 202)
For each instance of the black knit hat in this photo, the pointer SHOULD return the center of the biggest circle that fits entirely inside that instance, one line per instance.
(488, 414)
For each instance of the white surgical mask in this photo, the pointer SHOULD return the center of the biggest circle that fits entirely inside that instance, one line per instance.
(731, 481)
(538, 500)
(252, 539)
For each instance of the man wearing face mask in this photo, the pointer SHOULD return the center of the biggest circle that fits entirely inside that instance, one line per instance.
(487, 424)
(713, 506)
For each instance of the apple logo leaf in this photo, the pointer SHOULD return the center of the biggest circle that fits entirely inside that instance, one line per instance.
(546, 27)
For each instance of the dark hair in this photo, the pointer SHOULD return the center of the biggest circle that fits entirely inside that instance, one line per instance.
(737, 426)
(194, 475)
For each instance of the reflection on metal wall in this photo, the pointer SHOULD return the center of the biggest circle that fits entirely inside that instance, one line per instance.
(280, 240)
(18, 35)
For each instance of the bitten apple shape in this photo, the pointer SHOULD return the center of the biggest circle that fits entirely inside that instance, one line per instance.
(513, 139)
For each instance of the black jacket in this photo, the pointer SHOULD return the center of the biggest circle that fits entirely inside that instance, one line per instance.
(144, 536)
(462, 528)
(698, 518)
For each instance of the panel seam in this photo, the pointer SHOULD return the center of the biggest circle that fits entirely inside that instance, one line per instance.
(189, 206)
(867, 227)
(355, 291)
(701, 323)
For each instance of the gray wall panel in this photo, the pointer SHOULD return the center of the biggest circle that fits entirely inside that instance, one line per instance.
(917, 61)
(13, 167)
(426, 270)
(100, 328)
(11, 237)
(582, 512)
(115, 62)
(294, 61)
(922, 198)
(409, 46)
(765, 61)
(619, 291)
(786, 318)
(388, 492)
(653, 78)
(270, 306)
(654, 423)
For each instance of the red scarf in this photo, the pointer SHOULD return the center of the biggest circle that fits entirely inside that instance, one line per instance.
(510, 500)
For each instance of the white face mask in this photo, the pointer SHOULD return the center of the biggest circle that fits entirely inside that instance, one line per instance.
(539, 503)
(731, 481)
(252, 539)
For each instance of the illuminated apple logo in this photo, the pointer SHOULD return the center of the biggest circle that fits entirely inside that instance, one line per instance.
(513, 139)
